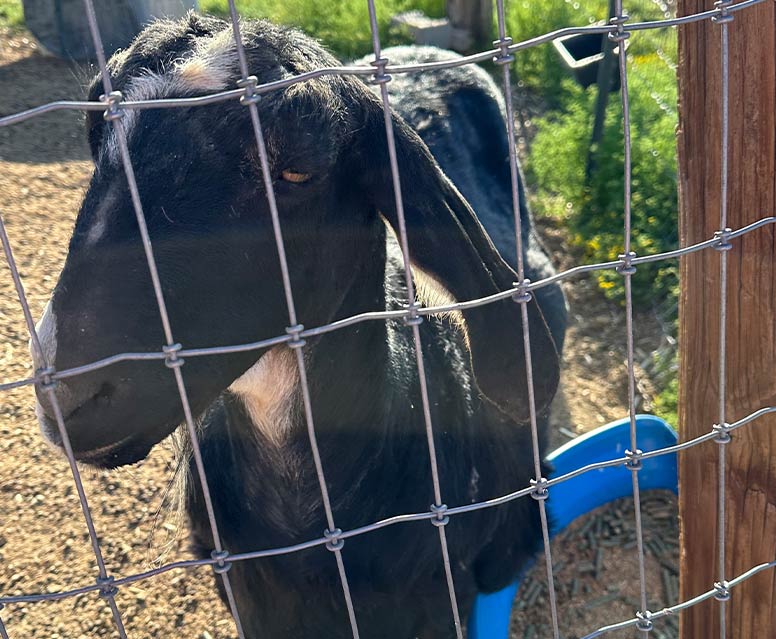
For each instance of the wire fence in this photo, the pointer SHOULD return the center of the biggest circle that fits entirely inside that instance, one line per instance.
(333, 538)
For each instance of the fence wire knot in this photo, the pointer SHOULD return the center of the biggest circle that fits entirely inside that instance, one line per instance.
(521, 294)
(620, 35)
(222, 566)
(540, 491)
(626, 263)
(295, 332)
(380, 76)
(439, 518)
(723, 433)
(644, 623)
(113, 101)
(504, 57)
(723, 237)
(172, 360)
(46, 377)
(634, 461)
(721, 591)
(335, 541)
(724, 15)
(413, 318)
(249, 85)
(107, 589)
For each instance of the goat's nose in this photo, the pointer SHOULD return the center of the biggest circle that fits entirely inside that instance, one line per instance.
(67, 398)
(46, 330)
(69, 394)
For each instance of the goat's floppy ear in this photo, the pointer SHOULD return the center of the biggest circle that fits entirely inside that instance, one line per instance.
(447, 241)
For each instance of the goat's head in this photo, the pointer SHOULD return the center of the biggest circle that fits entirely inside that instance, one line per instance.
(200, 183)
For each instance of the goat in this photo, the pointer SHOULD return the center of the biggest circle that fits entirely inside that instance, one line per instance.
(200, 183)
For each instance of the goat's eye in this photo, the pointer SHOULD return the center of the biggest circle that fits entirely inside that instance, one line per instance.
(296, 178)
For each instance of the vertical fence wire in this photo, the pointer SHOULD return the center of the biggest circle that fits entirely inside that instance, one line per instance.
(541, 492)
(723, 436)
(113, 114)
(251, 99)
(626, 269)
(414, 320)
(3, 632)
(107, 590)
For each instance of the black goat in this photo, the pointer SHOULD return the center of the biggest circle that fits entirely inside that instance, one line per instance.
(200, 183)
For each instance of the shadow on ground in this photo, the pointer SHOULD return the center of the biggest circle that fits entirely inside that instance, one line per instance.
(54, 137)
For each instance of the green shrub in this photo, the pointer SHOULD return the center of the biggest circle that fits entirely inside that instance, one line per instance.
(342, 25)
(11, 14)
(539, 68)
(594, 207)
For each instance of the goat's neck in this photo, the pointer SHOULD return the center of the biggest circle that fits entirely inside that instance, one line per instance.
(363, 392)
(348, 370)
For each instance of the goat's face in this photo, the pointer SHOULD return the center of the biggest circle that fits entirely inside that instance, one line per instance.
(200, 185)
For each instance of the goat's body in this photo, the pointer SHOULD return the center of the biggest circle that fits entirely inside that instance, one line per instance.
(375, 455)
(371, 432)
(207, 210)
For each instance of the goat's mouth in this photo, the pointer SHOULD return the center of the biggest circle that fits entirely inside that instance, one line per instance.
(127, 450)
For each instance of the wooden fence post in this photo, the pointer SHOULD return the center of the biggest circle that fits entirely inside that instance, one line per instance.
(751, 317)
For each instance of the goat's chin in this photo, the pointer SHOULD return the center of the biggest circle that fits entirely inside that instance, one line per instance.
(124, 452)
(124, 455)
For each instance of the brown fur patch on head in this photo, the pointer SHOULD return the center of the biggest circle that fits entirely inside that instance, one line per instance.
(196, 74)
(212, 66)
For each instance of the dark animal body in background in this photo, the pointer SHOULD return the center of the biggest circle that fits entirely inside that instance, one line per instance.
(459, 113)
(201, 187)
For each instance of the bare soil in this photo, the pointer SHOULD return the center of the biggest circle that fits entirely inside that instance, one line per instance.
(44, 547)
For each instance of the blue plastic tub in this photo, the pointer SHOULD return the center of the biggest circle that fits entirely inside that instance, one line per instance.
(579, 495)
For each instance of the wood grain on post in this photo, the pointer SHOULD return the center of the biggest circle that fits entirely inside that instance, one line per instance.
(751, 325)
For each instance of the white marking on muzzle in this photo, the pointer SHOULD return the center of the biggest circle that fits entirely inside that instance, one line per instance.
(46, 329)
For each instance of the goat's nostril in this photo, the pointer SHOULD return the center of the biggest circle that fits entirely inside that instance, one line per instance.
(72, 399)
(104, 394)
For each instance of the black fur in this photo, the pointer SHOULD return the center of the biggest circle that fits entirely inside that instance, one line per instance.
(200, 183)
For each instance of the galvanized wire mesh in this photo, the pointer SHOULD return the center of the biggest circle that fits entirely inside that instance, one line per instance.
(333, 538)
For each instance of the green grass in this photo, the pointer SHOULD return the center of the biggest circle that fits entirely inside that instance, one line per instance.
(342, 25)
(11, 14)
(594, 208)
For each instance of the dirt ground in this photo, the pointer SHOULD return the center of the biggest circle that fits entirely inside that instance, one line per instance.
(44, 170)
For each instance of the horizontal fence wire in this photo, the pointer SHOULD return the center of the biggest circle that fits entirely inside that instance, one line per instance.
(422, 516)
(392, 521)
(390, 315)
(172, 354)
